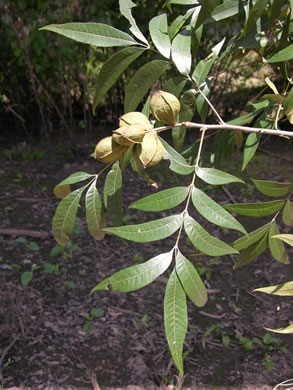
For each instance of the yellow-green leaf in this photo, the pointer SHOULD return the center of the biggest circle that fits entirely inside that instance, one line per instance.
(62, 191)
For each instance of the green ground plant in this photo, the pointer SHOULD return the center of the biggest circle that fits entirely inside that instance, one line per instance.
(174, 84)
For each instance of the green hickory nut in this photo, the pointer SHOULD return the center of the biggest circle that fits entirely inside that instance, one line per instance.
(150, 151)
(133, 118)
(108, 151)
(129, 134)
(165, 107)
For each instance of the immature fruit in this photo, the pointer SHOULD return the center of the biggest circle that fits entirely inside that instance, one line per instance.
(109, 151)
(165, 107)
(129, 134)
(150, 151)
(133, 118)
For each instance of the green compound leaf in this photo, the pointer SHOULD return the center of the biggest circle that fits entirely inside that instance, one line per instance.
(283, 289)
(287, 215)
(251, 238)
(181, 51)
(125, 8)
(282, 55)
(136, 276)
(175, 318)
(94, 212)
(158, 27)
(213, 212)
(215, 176)
(162, 200)
(273, 188)
(113, 195)
(191, 281)
(256, 209)
(65, 215)
(252, 252)
(141, 82)
(112, 69)
(277, 247)
(75, 178)
(203, 241)
(149, 231)
(178, 163)
(288, 238)
(96, 34)
(286, 330)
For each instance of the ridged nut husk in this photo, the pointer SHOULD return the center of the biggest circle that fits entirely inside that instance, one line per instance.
(133, 118)
(165, 107)
(109, 151)
(129, 135)
(150, 151)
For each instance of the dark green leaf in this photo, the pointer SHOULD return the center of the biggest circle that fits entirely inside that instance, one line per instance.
(178, 23)
(289, 100)
(94, 212)
(277, 247)
(256, 209)
(181, 51)
(252, 252)
(112, 69)
(149, 231)
(250, 147)
(191, 281)
(96, 34)
(215, 176)
(162, 200)
(178, 163)
(113, 195)
(75, 178)
(175, 318)
(282, 55)
(26, 278)
(287, 216)
(175, 85)
(252, 237)
(158, 27)
(125, 8)
(201, 104)
(206, 9)
(64, 218)
(213, 212)
(254, 14)
(273, 188)
(283, 289)
(136, 276)
(141, 82)
(203, 241)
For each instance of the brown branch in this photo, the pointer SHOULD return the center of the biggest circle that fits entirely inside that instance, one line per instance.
(22, 232)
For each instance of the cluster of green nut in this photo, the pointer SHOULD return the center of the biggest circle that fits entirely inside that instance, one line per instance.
(135, 129)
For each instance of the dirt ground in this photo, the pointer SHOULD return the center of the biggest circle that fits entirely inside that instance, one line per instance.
(50, 336)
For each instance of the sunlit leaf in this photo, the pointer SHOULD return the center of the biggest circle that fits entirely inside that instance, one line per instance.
(282, 55)
(125, 8)
(251, 252)
(75, 178)
(136, 276)
(286, 330)
(288, 238)
(260, 209)
(215, 176)
(203, 241)
(252, 237)
(213, 212)
(149, 231)
(191, 281)
(113, 195)
(287, 215)
(178, 163)
(61, 191)
(273, 188)
(224, 11)
(181, 51)
(276, 246)
(94, 212)
(283, 289)
(178, 23)
(112, 70)
(141, 82)
(65, 215)
(96, 34)
(254, 14)
(162, 200)
(175, 318)
(158, 27)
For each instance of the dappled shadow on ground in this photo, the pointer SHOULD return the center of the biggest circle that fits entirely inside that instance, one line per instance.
(51, 336)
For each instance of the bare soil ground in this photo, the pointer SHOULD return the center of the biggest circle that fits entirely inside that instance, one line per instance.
(49, 338)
